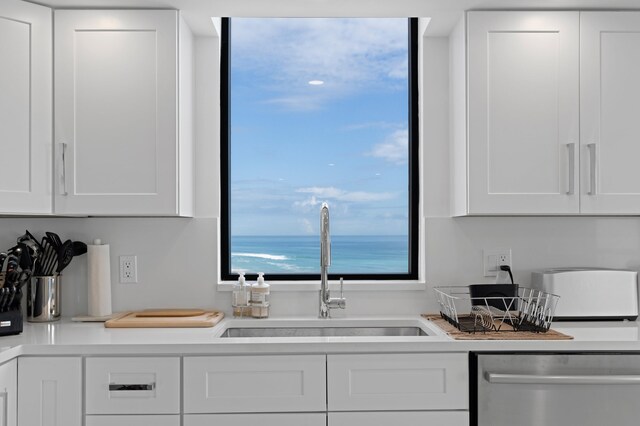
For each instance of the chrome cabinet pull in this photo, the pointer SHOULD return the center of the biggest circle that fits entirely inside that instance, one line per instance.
(63, 147)
(592, 168)
(118, 387)
(561, 379)
(571, 147)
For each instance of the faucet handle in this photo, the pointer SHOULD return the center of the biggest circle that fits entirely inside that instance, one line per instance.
(342, 302)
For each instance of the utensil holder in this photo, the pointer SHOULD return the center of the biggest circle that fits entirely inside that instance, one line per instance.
(43, 299)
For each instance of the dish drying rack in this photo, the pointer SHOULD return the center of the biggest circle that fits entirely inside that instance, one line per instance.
(527, 310)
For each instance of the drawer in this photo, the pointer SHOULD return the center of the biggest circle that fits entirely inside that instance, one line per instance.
(135, 420)
(386, 418)
(288, 419)
(142, 385)
(259, 384)
(388, 382)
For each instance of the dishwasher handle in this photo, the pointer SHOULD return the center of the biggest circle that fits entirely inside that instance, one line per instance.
(563, 379)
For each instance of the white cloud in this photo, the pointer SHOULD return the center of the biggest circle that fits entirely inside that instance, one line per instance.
(346, 53)
(329, 193)
(310, 202)
(374, 125)
(394, 148)
(306, 226)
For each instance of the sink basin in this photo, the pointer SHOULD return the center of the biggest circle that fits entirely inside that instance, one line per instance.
(322, 331)
(395, 329)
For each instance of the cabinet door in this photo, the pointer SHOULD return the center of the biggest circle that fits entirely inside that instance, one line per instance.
(610, 112)
(258, 384)
(25, 108)
(116, 112)
(391, 418)
(9, 393)
(390, 382)
(523, 112)
(285, 419)
(49, 391)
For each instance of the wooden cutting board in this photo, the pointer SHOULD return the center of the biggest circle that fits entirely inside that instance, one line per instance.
(494, 335)
(166, 318)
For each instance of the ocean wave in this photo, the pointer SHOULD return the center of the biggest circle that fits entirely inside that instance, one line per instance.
(261, 256)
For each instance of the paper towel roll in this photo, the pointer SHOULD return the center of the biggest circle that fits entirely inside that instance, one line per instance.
(99, 268)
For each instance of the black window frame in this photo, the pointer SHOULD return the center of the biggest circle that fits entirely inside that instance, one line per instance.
(413, 171)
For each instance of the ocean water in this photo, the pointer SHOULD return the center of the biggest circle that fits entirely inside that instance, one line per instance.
(301, 254)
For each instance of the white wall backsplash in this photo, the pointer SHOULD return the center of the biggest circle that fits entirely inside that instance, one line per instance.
(177, 258)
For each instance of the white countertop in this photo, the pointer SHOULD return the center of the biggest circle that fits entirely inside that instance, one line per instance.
(71, 338)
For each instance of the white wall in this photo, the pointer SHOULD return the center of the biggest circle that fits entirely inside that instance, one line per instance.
(177, 256)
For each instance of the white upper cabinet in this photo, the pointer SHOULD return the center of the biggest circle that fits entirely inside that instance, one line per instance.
(523, 113)
(25, 108)
(117, 84)
(545, 113)
(610, 112)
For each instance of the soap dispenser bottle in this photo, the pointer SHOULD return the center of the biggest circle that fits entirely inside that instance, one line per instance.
(239, 298)
(260, 298)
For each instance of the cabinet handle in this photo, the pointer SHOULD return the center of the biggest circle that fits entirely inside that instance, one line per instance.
(63, 147)
(562, 379)
(592, 168)
(571, 147)
(115, 387)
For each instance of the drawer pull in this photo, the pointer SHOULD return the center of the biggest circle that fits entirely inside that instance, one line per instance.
(131, 387)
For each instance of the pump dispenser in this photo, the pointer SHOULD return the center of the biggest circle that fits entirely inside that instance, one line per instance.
(240, 297)
(260, 298)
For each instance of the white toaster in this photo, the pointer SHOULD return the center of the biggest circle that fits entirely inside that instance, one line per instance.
(591, 293)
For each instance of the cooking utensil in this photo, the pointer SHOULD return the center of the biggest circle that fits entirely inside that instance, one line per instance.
(79, 248)
(65, 255)
(4, 292)
(30, 248)
(54, 239)
(3, 256)
(12, 295)
(49, 259)
(13, 261)
(28, 237)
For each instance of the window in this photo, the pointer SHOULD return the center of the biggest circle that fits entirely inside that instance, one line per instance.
(319, 110)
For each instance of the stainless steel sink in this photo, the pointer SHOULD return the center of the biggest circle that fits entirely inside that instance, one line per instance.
(322, 331)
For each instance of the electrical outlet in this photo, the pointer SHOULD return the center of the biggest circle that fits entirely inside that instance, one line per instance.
(128, 269)
(494, 258)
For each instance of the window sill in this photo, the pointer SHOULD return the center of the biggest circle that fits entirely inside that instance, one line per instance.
(335, 286)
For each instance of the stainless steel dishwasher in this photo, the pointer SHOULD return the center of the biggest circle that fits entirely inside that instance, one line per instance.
(542, 389)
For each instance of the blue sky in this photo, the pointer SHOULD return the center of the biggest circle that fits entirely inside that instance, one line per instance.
(295, 145)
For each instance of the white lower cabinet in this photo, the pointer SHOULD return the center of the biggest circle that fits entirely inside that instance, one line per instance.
(133, 420)
(288, 419)
(389, 382)
(394, 418)
(258, 384)
(237, 390)
(132, 385)
(9, 393)
(50, 391)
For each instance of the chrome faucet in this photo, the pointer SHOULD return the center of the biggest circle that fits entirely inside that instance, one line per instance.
(326, 302)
